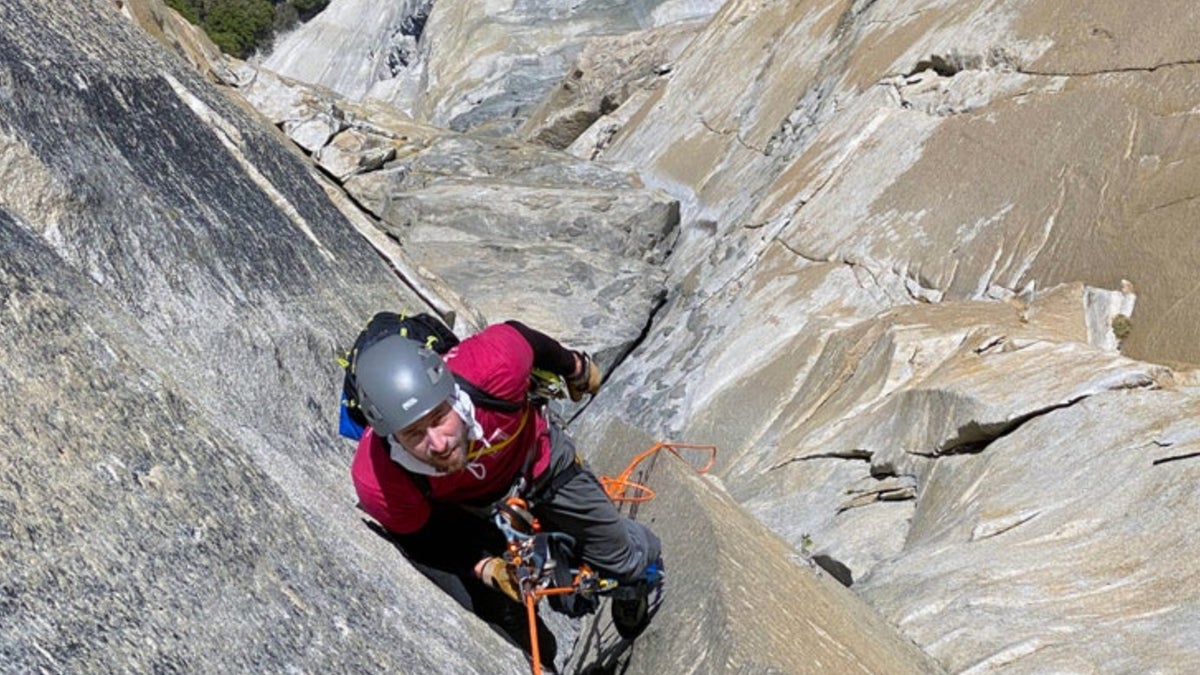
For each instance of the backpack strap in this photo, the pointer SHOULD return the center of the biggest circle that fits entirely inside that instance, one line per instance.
(483, 398)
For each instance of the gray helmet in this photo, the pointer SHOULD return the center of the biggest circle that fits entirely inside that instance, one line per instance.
(398, 381)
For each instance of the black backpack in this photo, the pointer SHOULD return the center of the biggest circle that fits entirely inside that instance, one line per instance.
(424, 328)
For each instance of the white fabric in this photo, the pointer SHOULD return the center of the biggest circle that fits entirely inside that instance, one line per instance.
(465, 407)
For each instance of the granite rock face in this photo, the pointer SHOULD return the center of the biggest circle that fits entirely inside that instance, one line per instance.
(738, 598)
(920, 270)
(569, 246)
(173, 288)
(464, 64)
(977, 148)
(879, 202)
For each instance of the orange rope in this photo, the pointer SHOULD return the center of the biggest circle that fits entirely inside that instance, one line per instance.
(619, 487)
(616, 489)
(535, 652)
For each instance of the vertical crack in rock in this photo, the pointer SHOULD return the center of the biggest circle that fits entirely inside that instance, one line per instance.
(403, 48)
(806, 119)
(818, 104)
(660, 301)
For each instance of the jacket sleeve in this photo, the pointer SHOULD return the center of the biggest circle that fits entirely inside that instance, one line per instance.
(385, 491)
(548, 353)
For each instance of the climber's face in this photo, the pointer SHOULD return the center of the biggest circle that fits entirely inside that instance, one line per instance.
(439, 439)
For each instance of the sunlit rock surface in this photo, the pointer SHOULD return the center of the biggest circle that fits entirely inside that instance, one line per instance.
(174, 287)
(914, 267)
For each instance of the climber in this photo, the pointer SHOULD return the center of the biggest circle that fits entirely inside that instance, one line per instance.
(434, 461)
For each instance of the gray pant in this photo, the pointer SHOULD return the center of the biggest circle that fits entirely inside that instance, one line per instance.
(611, 543)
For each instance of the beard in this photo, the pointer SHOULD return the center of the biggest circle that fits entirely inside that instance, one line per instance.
(452, 463)
(453, 460)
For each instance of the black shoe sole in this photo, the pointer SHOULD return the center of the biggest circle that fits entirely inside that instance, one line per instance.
(631, 616)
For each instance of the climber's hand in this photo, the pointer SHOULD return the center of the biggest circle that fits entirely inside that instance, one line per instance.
(498, 575)
(586, 379)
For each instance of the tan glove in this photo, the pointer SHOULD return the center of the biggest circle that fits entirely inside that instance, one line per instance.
(498, 575)
(587, 380)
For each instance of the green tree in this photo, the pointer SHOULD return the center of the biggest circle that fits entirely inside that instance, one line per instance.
(308, 8)
(239, 26)
(188, 9)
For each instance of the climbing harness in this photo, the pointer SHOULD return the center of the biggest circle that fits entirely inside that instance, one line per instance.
(539, 572)
(535, 557)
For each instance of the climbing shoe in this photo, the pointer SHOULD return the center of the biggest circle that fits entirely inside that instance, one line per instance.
(631, 603)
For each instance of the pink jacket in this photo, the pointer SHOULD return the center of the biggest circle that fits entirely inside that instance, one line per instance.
(499, 361)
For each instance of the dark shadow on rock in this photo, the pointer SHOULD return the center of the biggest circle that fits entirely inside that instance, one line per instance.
(601, 655)
(835, 568)
(601, 651)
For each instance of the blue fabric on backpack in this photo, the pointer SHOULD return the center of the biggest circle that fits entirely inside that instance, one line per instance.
(346, 426)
